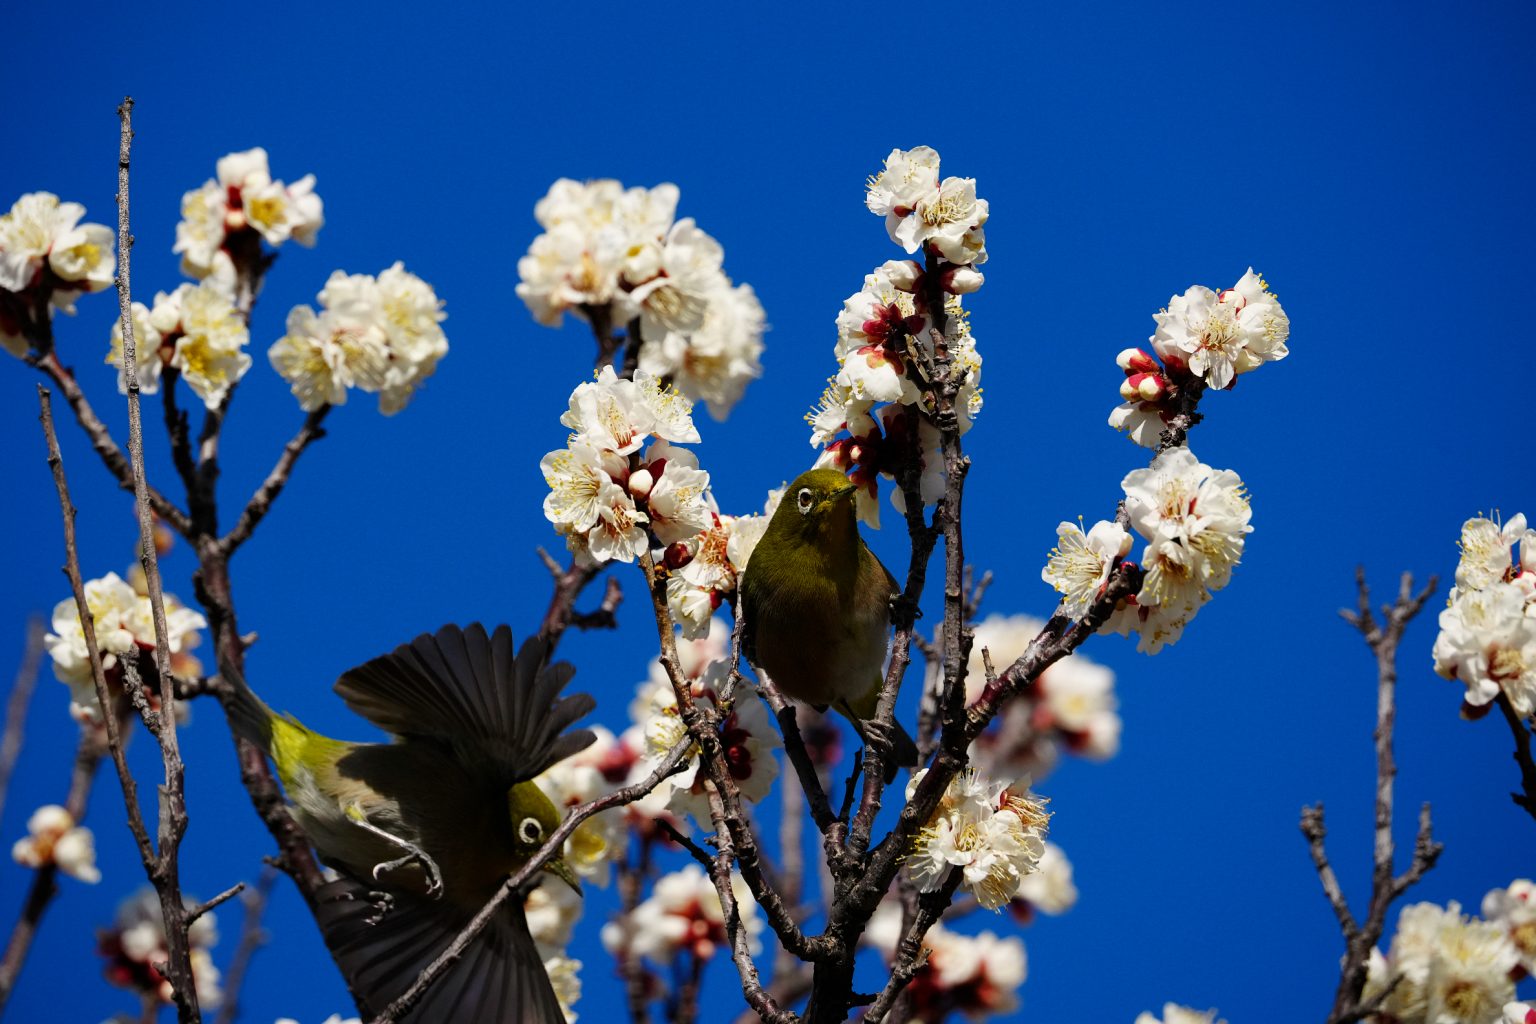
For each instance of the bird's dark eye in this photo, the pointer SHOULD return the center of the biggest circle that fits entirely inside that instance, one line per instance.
(804, 498)
(530, 831)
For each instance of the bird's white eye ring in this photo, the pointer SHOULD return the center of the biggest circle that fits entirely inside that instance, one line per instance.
(804, 499)
(530, 831)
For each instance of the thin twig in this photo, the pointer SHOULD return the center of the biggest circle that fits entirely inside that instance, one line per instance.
(1521, 730)
(16, 706)
(252, 938)
(261, 502)
(202, 908)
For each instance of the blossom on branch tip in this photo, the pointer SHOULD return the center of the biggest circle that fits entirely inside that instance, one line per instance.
(1219, 335)
(922, 211)
(221, 219)
(976, 975)
(1080, 564)
(136, 944)
(1487, 636)
(55, 838)
(1173, 1013)
(1450, 968)
(992, 832)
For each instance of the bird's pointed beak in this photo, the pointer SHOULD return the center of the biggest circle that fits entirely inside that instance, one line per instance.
(844, 492)
(561, 870)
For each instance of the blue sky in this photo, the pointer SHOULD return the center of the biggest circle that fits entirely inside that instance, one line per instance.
(1368, 159)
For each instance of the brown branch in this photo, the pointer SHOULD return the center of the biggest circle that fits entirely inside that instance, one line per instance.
(1382, 636)
(1518, 727)
(252, 938)
(22, 688)
(45, 880)
(606, 614)
(178, 431)
(636, 977)
(909, 956)
(261, 502)
(193, 913)
(668, 766)
(164, 871)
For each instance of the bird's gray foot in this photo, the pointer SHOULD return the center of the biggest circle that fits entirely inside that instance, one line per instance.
(413, 853)
(382, 903)
(879, 736)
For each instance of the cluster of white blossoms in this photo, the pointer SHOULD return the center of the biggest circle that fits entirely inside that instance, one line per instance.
(1195, 522)
(1488, 630)
(682, 915)
(619, 250)
(380, 334)
(196, 331)
(746, 731)
(884, 333)
(47, 257)
(993, 832)
(54, 838)
(1070, 707)
(1173, 1013)
(135, 944)
(1448, 967)
(124, 623)
(704, 570)
(579, 779)
(224, 222)
(976, 975)
(1513, 908)
(1205, 335)
(607, 497)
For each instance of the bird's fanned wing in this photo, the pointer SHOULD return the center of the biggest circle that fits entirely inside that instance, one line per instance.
(501, 712)
(500, 979)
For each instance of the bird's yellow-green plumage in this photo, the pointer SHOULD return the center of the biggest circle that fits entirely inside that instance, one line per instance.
(816, 605)
(436, 819)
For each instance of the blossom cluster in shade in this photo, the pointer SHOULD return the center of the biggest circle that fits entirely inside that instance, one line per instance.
(1487, 637)
(136, 943)
(872, 421)
(994, 832)
(194, 330)
(617, 256)
(1195, 521)
(1447, 967)
(1070, 707)
(682, 916)
(124, 624)
(1203, 335)
(47, 259)
(977, 976)
(1173, 1013)
(54, 838)
(224, 222)
(375, 333)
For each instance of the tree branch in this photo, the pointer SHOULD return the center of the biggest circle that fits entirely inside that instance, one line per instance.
(261, 502)
(252, 938)
(17, 704)
(1518, 727)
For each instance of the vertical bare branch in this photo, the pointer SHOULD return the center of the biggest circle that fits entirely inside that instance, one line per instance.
(1521, 730)
(17, 704)
(1382, 636)
(252, 938)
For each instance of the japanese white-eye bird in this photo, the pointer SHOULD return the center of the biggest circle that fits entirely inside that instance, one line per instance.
(438, 818)
(815, 603)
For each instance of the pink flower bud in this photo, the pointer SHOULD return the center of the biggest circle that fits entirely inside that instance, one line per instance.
(641, 482)
(1134, 360)
(1128, 391)
(962, 280)
(1149, 386)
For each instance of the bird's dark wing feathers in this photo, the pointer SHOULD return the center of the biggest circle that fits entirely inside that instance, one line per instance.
(468, 690)
(500, 979)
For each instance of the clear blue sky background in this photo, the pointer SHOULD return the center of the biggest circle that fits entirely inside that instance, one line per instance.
(1374, 162)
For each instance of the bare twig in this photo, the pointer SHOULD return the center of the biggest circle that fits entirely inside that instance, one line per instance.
(1382, 636)
(908, 957)
(1521, 730)
(193, 913)
(164, 872)
(261, 502)
(18, 702)
(668, 766)
(252, 938)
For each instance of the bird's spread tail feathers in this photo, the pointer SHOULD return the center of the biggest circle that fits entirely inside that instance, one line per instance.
(249, 716)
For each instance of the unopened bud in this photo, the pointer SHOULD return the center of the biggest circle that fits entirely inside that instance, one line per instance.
(677, 555)
(903, 274)
(1148, 385)
(641, 482)
(963, 280)
(1125, 545)
(1128, 391)
(1134, 360)
(234, 220)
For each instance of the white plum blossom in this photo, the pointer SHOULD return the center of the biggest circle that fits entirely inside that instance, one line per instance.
(43, 246)
(1450, 968)
(1487, 634)
(149, 355)
(379, 334)
(1519, 1013)
(1173, 1013)
(243, 198)
(194, 330)
(682, 915)
(615, 257)
(54, 838)
(922, 211)
(1049, 888)
(1513, 908)
(1080, 564)
(136, 943)
(564, 977)
(1195, 521)
(976, 975)
(552, 912)
(1218, 335)
(993, 832)
(597, 841)
(123, 622)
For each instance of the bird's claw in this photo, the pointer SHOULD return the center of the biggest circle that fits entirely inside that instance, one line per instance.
(415, 856)
(382, 903)
(879, 736)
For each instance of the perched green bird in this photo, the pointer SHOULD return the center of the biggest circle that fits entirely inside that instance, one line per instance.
(816, 608)
(438, 818)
